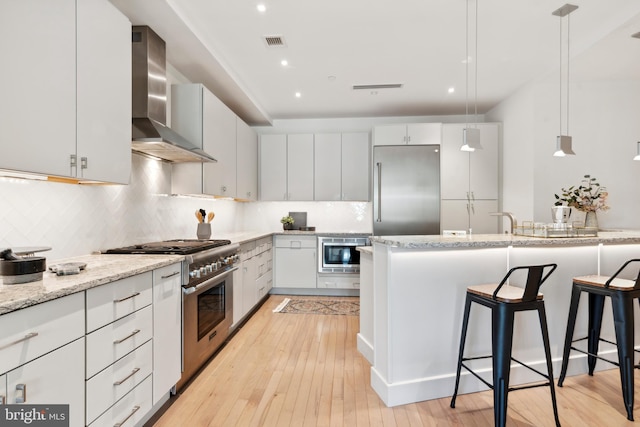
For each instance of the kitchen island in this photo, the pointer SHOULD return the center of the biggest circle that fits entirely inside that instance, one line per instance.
(413, 291)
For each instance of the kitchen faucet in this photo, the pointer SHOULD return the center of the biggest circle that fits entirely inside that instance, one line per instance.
(512, 218)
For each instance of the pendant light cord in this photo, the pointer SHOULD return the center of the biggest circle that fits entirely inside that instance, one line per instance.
(567, 71)
(466, 78)
(560, 76)
(475, 61)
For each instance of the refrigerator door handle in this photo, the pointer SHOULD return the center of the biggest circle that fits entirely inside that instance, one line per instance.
(379, 166)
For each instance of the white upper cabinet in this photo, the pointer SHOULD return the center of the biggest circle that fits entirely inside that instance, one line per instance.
(204, 120)
(273, 167)
(65, 108)
(415, 133)
(469, 175)
(341, 166)
(355, 166)
(328, 166)
(247, 162)
(300, 166)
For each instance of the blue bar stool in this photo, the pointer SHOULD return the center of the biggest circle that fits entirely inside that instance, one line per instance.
(622, 293)
(504, 301)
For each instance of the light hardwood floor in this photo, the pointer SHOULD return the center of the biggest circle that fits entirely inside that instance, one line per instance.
(305, 370)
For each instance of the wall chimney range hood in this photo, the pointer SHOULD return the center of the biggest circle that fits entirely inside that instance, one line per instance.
(149, 134)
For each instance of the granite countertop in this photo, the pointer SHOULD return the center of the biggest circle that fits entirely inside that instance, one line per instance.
(503, 240)
(100, 269)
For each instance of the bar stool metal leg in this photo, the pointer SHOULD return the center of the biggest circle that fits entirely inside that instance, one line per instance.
(542, 314)
(571, 324)
(596, 309)
(623, 320)
(502, 341)
(463, 338)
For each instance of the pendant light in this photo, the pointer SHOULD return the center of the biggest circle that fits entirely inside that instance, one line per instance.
(637, 157)
(471, 136)
(563, 142)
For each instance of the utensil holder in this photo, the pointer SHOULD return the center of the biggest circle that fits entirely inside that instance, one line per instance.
(204, 230)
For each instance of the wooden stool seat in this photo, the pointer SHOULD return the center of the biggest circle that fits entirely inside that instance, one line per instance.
(601, 281)
(508, 293)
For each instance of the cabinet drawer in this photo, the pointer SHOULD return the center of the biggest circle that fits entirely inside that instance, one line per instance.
(31, 332)
(117, 380)
(111, 342)
(339, 281)
(295, 242)
(129, 410)
(118, 299)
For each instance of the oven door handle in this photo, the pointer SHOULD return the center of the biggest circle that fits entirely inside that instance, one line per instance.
(192, 289)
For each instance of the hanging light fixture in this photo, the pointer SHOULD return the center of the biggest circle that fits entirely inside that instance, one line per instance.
(563, 142)
(471, 136)
(637, 157)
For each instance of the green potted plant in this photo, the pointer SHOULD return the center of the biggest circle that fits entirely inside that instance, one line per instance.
(588, 197)
(287, 222)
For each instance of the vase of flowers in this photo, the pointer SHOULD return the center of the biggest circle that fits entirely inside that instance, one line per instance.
(287, 222)
(588, 197)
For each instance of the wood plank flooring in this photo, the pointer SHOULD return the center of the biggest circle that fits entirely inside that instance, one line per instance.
(305, 370)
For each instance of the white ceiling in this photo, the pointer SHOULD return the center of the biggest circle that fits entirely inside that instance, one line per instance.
(417, 43)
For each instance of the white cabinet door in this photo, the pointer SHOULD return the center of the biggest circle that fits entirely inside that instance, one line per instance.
(219, 140)
(355, 166)
(38, 86)
(273, 167)
(454, 215)
(167, 329)
(55, 378)
(295, 268)
(480, 220)
(424, 133)
(249, 292)
(328, 166)
(454, 164)
(247, 162)
(187, 120)
(390, 135)
(300, 167)
(104, 92)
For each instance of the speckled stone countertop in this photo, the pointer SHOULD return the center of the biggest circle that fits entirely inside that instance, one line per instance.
(100, 269)
(503, 240)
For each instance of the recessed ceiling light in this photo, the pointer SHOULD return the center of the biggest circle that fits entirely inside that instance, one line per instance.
(298, 94)
(261, 8)
(451, 89)
(284, 62)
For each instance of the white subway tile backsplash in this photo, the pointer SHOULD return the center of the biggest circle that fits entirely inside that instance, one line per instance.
(79, 219)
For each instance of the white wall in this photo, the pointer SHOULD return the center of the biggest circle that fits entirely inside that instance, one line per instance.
(605, 127)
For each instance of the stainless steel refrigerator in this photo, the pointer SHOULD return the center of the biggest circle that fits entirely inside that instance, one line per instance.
(406, 183)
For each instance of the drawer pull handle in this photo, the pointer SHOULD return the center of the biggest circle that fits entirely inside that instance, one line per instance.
(26, 337)
(126, 298)
(127, 337)
(135, 409)
(127, 377)
(3, 400)
(175, 273)
(22, 390)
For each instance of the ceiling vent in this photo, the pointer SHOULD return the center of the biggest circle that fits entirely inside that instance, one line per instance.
(380, 86)
(274, 41)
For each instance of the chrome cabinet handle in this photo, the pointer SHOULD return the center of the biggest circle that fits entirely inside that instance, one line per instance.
(126, 298)
(175, 273)
(84, 163)
(468, 210)
(135, 409)
(127, 377)
(26, 337)
(127, 337)
(21, 395)
(379, 166)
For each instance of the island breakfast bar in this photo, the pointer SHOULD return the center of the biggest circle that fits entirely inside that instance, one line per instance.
(412, 296)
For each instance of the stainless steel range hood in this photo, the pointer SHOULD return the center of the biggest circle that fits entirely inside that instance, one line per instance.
(149, 134)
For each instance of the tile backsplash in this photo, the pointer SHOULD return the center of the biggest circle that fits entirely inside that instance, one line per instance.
(79, 219)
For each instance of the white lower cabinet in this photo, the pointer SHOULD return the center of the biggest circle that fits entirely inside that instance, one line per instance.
(167, 329)
(339, 281)
(252, 280)
(55, 378)
(295, 262)
(130, 410)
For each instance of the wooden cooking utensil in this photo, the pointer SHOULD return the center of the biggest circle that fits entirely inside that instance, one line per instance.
(210, 216)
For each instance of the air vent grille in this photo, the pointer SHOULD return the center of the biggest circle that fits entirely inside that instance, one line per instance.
(274, 41)
(378, 86)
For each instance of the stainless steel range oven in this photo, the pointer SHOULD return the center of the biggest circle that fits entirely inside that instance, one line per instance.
(338, 254)
(207, 309)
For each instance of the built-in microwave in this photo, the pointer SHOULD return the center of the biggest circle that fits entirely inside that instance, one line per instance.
(338, 254)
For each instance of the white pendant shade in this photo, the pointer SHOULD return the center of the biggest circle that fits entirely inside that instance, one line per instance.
(471, 139)
(563, 146)
(637, 157)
